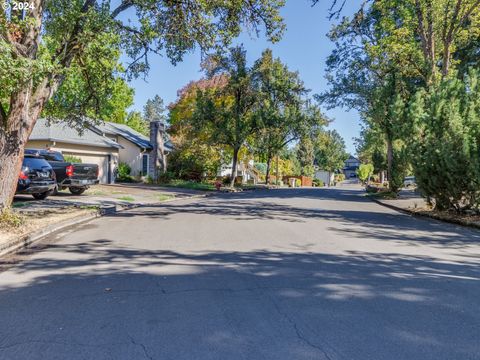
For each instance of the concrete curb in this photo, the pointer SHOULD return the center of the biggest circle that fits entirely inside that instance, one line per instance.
(24, 241)
(422, 214)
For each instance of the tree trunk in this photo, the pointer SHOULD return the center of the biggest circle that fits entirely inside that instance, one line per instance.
(11, 155)
(234, 166)
(15, 130)
(267, 174)
(389, 162)
(277, 182)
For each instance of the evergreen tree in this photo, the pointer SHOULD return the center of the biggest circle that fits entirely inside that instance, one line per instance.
(306, 156)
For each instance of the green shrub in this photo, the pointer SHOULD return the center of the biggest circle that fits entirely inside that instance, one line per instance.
(298, 183)
(364, 172)
(445, 152)
(318, 182)
(165, 177)
(124, 170)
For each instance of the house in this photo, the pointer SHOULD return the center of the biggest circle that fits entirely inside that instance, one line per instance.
(351, 166)
(137, 150)
(245, 170)
(89, 146)
(106, 145)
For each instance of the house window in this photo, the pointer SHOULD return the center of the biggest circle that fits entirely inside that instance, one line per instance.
(145, 162)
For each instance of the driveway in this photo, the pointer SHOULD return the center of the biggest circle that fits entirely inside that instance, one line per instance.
(104, 195)
(279, 274)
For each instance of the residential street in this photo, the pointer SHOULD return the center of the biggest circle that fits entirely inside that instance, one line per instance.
(280, 274)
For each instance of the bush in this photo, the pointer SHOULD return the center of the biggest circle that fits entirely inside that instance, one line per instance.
(124, 170)
(339, 178)
(148, 180)
(194, 161)
(298, 183)
(318, 182)
(364, 172)
(446, 159)
(165, 178)
(226, 180)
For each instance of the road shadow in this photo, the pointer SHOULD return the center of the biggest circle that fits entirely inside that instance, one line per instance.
(358, 217)
(106, 301)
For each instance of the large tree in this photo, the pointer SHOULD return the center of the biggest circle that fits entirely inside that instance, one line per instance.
(282, 113)
(387, 51)
(39, 46)
(306, 156)
(194, 157)
(330, 153)
(225, 114)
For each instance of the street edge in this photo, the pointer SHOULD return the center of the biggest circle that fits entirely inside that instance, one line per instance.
(428, 215)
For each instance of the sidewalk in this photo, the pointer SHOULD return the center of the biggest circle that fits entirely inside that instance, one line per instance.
(407, 200)
(412, 203)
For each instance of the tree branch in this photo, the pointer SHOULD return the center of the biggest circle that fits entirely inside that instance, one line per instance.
(124, 5)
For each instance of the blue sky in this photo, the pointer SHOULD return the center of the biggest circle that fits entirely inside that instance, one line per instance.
(304, 48)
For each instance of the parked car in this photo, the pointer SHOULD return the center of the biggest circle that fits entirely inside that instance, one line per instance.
(409, 181)
(76, 177)
(36, 177)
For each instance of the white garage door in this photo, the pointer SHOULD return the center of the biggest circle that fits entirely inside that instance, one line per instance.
(100, 160)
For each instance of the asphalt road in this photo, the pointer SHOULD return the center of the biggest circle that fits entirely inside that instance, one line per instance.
(284, 274)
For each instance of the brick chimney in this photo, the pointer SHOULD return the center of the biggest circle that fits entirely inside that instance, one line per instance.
(158, 159)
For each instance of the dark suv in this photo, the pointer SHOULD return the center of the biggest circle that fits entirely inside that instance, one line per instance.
(36, 178)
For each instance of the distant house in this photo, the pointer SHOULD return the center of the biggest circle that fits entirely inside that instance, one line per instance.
(245, 170)
(351, 166)
(106, 145)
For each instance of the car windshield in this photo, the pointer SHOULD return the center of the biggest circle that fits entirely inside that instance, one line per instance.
(35, 163)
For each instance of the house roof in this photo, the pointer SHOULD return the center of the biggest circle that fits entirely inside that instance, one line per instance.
(126, 132)
(129, 134)
(62, 132)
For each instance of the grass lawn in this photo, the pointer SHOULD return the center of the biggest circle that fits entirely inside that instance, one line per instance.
(190, 185)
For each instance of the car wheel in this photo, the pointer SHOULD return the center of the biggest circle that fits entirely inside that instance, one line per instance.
(41, 196)
(77, 191)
